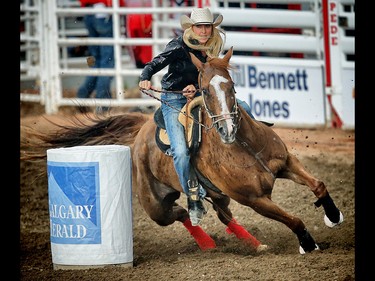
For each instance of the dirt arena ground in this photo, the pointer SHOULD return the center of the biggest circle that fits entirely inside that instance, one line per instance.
(170, 253)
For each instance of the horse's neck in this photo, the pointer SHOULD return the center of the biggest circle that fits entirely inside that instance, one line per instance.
(252, 142)
(251, 130)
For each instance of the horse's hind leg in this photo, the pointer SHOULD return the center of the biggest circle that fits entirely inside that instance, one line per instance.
(221, 206)
(266, 207)
(298, 174)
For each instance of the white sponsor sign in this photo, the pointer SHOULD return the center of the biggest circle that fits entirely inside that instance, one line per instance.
(287, 93)
(345, 102)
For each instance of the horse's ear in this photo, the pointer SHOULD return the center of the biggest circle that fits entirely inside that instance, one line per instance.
(229, 54)
(196, 61)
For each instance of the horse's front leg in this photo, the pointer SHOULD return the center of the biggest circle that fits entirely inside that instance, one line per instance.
(266, 207)
(296, 172)
(221, 206)
(162, 208)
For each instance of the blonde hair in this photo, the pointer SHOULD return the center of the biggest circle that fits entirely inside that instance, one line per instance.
(213, 47)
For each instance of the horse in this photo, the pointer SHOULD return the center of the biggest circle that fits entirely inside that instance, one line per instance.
(238, 158)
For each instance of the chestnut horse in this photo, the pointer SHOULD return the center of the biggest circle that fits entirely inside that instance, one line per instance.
(238, 157)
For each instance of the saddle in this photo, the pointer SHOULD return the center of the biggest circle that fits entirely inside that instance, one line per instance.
(192, 129)
(192, 134)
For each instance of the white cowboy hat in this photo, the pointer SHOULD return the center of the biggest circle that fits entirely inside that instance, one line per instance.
(200, 16)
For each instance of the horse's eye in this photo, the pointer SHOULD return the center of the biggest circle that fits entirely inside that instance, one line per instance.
(205, 92)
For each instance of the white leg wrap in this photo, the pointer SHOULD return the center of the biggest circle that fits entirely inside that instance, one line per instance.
(331, 224)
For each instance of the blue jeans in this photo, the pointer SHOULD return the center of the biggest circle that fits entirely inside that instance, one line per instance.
(176, 134)
(104, 58)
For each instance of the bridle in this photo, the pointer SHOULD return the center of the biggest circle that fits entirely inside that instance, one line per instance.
(234, 114)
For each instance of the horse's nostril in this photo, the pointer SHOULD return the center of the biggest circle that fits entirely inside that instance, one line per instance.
(221, 130)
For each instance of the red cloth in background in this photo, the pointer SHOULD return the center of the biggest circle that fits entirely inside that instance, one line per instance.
(108, 3)
(139, 26)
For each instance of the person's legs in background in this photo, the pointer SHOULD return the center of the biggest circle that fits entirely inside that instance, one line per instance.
(103, 91)
(103, 83)
(89, 84)
(105, 59)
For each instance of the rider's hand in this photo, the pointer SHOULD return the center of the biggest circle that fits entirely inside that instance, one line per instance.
(189, 91)
(145, 84)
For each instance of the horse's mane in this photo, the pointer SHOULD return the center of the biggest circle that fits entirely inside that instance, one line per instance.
(220, 63)
(93, 130)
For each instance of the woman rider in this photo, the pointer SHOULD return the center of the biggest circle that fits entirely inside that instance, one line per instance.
(203, 38)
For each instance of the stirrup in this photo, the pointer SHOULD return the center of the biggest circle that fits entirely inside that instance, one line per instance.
(196, 211)
(193, 190)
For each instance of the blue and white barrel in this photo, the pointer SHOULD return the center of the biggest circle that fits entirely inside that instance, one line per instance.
(90, 206)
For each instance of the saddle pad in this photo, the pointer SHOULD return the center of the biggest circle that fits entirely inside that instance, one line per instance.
(194, 134)
(188, 123)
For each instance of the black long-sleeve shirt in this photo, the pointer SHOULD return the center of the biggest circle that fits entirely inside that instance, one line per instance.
(181, 70)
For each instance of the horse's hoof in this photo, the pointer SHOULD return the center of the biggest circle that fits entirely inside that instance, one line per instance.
(333, 224)
(302, 251)
(262, 248)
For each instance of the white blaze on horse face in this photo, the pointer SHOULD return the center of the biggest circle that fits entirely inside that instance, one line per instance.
(225, 113)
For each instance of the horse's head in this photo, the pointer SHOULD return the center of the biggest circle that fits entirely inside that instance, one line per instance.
(218, 94)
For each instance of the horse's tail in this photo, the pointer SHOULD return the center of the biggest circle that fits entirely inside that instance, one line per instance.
(117, 129)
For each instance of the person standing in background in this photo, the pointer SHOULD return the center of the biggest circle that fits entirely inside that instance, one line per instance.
(98, 25)
(139, 26)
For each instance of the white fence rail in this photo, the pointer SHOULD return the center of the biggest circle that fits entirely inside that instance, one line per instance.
(47, 35)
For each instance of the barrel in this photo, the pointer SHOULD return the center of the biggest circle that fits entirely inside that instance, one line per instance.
(90, 206)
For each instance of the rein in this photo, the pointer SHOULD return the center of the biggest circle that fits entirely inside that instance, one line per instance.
(256, 155)
(216, 118)
(166, 103)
